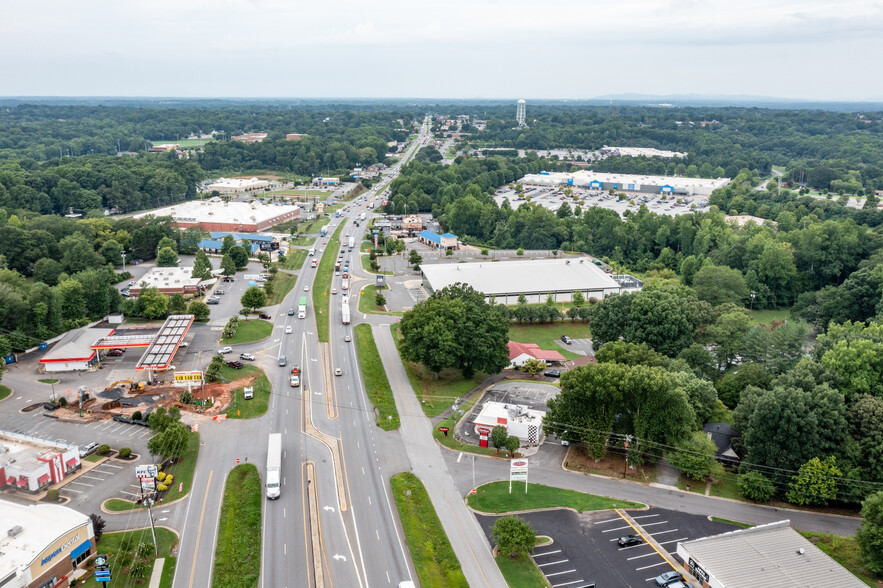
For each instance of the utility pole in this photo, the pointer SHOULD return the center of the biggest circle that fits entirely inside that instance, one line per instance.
(152, 528)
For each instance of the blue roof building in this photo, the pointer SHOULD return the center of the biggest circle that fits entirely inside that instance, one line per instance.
(446, 241)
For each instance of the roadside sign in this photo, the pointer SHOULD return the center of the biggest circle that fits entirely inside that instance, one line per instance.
(444, 430)
(148, 484)
(146, 471)
(518, 472)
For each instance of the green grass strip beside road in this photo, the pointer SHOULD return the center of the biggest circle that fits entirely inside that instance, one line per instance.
(238, 551)
(322, 284)
(376, 383)
(520, 572)
(241, 408)
(123, 550)
(294, 259)
(495, 498)
(282, 285)
(431, 551)
(249, 331)
(5, 391)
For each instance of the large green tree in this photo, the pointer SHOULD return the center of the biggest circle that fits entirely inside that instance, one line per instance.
(202, 266)
(514, 536)
(695, 457)
(870, 534)
(815, 482)
(456, 328)
(718, 284)
(167, 257)
(239, 256)
(254, 298)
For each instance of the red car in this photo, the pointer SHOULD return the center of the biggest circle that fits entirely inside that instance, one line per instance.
(264, 315)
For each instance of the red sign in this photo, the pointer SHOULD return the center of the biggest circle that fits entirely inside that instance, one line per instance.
(519, 463)
(237, 460)
(444, 429)
(484, 431)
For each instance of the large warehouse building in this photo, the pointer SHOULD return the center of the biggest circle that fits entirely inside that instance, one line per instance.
(237, 185)
(505, 281)
(628, 183)
(42, 545)
(216, 215)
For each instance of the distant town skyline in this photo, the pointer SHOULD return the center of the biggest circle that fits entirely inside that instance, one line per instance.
(561, 49)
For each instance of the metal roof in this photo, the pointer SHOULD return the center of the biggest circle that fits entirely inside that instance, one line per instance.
(123, 341)
(766, 555)
(160, 353)
(76, 345)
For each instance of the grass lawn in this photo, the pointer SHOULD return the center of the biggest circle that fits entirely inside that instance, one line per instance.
(5, 391)
(250, 331)
(282, 285)
(294, 260)
(322, 284)
(376, 383)
(117, 505)
(48, 381)
(94, 458)
(241, 408)
(728, 487)
(767, 316)
(546, 335)
(366, 265)
(451, 443)
(122, 548)
(184, 143)
(846, 552)
(495, 498)
(302, 241)
(520, 572)
(734, 523)
(238, 551)
(366, 302)
(431, 551)
(313, 226)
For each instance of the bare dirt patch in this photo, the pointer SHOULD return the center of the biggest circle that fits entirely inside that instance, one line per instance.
(613, 465)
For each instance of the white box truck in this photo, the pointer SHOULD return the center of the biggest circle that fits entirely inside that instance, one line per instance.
(274, 466)
(362, 215)
(352, 243)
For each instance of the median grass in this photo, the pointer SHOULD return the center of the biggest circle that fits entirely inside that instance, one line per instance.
(367, 305)
(431, 551)
(118, 505)
(520, 572)
(48, 381)
(241, 408)
(846, 552)
(547, 335)
(322, 284)
(238, 551)
(495, 498)
(5, 391)
(282, 285)
(376, 383)
(125, 552)
(294, 259)
(249, 331)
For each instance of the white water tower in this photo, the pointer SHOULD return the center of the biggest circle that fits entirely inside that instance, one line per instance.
(520, 113)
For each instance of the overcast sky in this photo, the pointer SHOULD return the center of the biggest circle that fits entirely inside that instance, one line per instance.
(803, 49)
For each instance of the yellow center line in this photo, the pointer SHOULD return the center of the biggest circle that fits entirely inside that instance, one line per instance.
(199, 532)
(648, 542)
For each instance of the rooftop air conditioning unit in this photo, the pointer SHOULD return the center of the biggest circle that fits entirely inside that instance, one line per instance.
(16, 530)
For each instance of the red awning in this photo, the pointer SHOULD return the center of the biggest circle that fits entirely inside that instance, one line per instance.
(71, 461)
(43, 479)
(11, 480)
(22, 481)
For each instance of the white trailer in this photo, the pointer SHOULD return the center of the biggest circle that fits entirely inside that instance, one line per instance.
(345, 310)
(352, 243)
(274, 466)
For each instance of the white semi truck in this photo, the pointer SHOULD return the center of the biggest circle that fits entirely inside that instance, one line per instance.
(345, 310)
(352, 243)
(362, 215)
(274, 466)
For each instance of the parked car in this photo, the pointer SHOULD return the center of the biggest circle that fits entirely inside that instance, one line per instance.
(219, 292)
(567, 340)
(236, 365)
(225, 350)
(552, 373)
(229, 279)
(282, 361)
(88, 449)
(212, 300)
(246, 356)
(248, 392)
(264, 315)
(116, 352)
(669, 578)
(629, 540)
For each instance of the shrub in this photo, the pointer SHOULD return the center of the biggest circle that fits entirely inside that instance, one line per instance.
(756, 487)
(62, 401)
(169, 479)
(125, 452)
(161, 487)
(137, 416)
(186, 397)
(103, 449)
(160, 476)
(520, 251)
(52, 494)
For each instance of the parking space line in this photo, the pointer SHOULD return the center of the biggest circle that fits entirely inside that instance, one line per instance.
(147, 432)
(92, 477)
(615, 529)
(560, 573)
(129, 493)
(135, 432)
(66, 489)
(674, 541)
(83, 484)
(640, 556)
(643, 517)
(608, 521)
(662, 532)
(536, 555)
(110, 465)
(567, 583)
(662, 563)
(553, 563)
(651, 524)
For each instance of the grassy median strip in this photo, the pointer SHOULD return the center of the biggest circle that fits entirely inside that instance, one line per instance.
(520, 572)
(238, 552)
(282, 285)
(241, 408)
(495, 498)
(133, 551)
(5, 391)
(376, 383)
(322, 284)
(294, 259)
(431, 551)
(249, 331)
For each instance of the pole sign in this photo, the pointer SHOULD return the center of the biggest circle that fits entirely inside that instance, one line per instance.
(444, 430)
(148, 484)
(146, 471)
(518, 472)
(102, 571)
(188, 378)
(483, 433)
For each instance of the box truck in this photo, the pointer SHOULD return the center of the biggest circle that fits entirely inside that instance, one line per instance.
(274, 466)
(302, 308)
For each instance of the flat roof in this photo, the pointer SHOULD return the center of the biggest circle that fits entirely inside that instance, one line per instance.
(160, 353)
(167, 277)
(491, 411)
(584, 177)
(238, 183)
(515, 277)
(41, 525)
(243, 236)
(767, 555)
(76, 345)
(217, 211)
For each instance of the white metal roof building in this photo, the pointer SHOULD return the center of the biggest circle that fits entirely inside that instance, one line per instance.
(535, 278)
(642, 152)
(213, 214)
(766, 555)
(168, 280)
(42, 544)
(74, 350)
(627, 183)
(236, 185)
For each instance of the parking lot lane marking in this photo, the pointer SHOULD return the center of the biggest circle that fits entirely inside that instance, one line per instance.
(651, 524)
(93, 478)
(662, 563)
(644, 517)
(663, 532)
(560, 573)
(640, 556)
(607, 521)
(135, 432)
(145, 433)
(674, 541)
(567, 583)
(553, 563)
(110, 465)
(664, 557)
(66, 489)
(536, 555)
(615, 529)
(129, 493)
(83, 484)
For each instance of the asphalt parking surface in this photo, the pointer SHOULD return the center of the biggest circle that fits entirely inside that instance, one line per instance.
(584, 549)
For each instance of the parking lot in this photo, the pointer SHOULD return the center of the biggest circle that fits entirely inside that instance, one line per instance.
(534, 395)
(584, 546)
(552, 198)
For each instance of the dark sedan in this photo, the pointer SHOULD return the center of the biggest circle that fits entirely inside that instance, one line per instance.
(236, 365)
(630, 540)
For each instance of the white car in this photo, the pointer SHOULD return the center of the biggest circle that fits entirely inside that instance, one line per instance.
(334, 290)
(306, 288)
(288, 330)
(225, 350)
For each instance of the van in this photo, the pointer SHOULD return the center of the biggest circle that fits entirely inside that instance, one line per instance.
(88, 449)
(248, 392)
(312, 252)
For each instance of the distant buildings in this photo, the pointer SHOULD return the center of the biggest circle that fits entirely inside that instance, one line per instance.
(445, 242)
(521, 113)
(640, 152)
(628, 183)
(237, 185)
(522, 352)
(320, 181)
(214, 214)
(30, 464)
(294, 136)
(73, 352)
(250, 137)
(168, 280)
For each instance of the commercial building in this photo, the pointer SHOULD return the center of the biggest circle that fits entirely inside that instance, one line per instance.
(214, 214)
(522, 352)
(237, 185)
(445, 242)
(168, 280)
(505, 281)
(326, 181)
(767, 555)
(42, 545)
(294, 136)
(628, 183)
(250, 137)
(641, 152)
(31, 464)
(412, 223)
(73, 352)
(521, 421)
